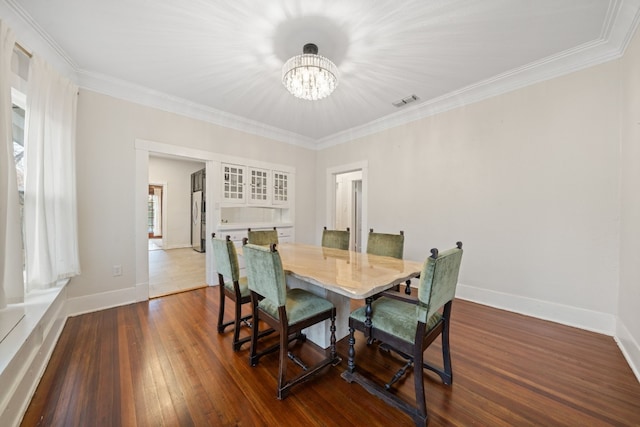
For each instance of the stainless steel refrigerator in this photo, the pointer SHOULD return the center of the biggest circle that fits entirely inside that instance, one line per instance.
(197, 222)
(198, 203)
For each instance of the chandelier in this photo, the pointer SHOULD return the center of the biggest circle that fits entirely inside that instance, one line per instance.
(310, 76)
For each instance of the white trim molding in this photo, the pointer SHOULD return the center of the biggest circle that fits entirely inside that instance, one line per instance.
(330, 201)
(620, 25)
(590, 320)
(102, 301)
(629, 346)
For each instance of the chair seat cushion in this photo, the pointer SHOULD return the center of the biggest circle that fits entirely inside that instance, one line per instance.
(244, 287)
(300, 305)
(395, 317)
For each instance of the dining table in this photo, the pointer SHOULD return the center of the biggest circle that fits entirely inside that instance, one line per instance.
(341, 276)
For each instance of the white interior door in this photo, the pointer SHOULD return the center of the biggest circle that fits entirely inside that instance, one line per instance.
(348, 206)
(356, 225)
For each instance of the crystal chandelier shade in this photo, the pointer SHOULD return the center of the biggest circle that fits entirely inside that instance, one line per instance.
(310, 76)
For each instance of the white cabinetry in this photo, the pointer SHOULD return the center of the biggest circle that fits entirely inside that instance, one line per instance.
(286, 234)
(255, 186)
(256, 195)
(259, 186)
(233, 183)
(280, 188)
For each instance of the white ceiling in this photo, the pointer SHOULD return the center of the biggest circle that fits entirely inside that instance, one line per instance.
(221, 59)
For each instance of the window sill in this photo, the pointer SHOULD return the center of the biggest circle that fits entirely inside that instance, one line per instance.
(23, 319)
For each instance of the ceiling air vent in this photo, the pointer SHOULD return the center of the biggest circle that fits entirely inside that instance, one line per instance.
(404, 101)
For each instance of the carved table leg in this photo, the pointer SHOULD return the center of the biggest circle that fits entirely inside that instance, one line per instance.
(351, 363)
(332, 346)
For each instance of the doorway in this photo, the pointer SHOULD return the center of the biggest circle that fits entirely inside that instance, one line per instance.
(347, 201)
(349, 206)
(176, 267)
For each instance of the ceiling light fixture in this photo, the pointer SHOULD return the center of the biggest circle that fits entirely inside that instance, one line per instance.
(310, 76)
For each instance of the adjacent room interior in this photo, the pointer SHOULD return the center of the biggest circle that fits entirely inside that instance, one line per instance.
(176, 254)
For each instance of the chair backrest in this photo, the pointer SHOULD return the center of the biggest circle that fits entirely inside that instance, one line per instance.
(224, 252)
(262, 237)
(265, 275)
(391, 245)
(438, 280)
(338, 239)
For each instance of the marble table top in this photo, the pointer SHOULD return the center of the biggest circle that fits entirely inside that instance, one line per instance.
(352, 274)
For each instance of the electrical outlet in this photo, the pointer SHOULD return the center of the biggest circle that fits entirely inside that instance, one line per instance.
(117, 270)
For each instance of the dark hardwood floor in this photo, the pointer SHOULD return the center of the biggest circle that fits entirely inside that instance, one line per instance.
(162, 362)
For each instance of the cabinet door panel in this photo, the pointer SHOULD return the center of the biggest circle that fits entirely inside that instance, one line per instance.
(233, 183)
(280, 188)
(258, 186)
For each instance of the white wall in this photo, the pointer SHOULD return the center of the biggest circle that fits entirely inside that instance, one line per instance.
(176, 175)
(106, 156)
(628, 331)
(528, 181)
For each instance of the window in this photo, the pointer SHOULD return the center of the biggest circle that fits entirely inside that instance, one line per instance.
(20, 68)
(17, 119)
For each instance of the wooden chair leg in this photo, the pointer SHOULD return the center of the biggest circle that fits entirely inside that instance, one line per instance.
(420, 416)
(446, 355)
(282, 371)
(236, 332)
(221, 326)
(253, 352)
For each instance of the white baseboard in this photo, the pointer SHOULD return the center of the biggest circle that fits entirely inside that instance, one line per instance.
(567, 315)
(101, 301)
(142, 291)
(629, 347)
(590, 320)
(177, 246)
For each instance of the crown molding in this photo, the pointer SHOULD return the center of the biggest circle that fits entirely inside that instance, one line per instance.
(618, 29)
(35, 39)
(173, 104)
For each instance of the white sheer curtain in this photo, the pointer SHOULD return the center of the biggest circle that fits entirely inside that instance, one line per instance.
(50, 206)
(12, 289)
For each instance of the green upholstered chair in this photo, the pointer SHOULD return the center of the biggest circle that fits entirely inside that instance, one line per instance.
(262, 237)
(288, 311)
(337, 239)
(391, 245)
(232, 286)
(408, 326)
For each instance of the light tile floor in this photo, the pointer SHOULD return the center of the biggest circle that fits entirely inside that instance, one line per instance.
(175, 270)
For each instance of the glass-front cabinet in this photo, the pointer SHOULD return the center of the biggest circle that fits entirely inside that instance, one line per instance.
(256, 195)
(233, 179)
(258, 186)
(280, 188)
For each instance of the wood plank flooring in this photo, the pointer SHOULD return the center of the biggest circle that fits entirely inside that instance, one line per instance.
(162, 362)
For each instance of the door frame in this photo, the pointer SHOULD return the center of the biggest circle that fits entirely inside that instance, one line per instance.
(330, 215)
(143, 148)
